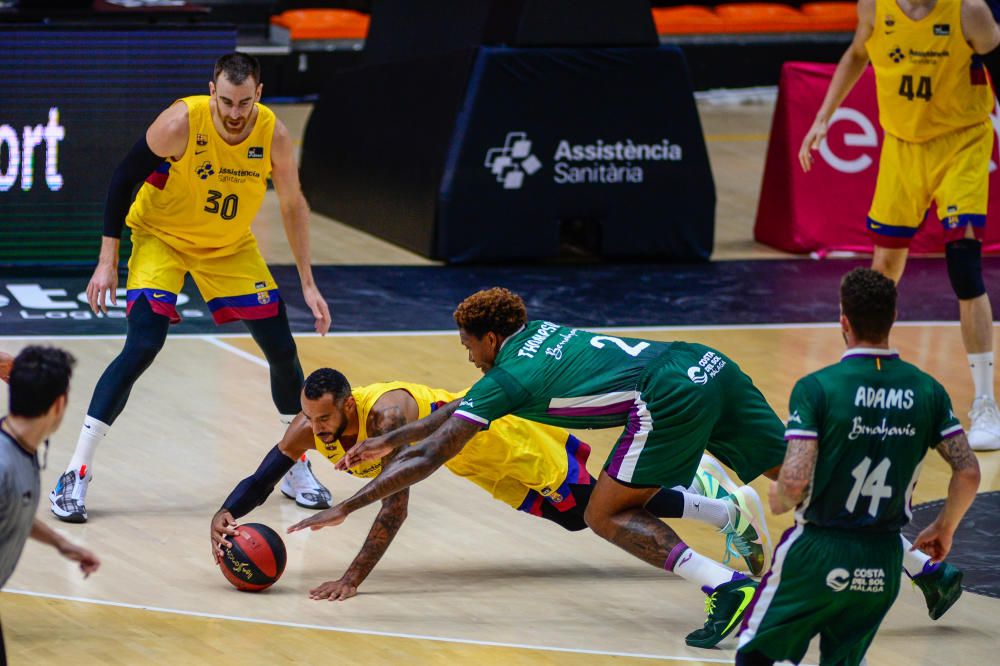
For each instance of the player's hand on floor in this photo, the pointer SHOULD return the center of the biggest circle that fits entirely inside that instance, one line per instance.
(935, 540)
(320, 310)
(335, 515)
(103, 286)
(814, 137)
(334, 590)
(88, 561)
(373, 448)
(223, 525)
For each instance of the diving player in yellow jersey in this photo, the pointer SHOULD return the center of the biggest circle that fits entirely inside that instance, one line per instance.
(532, 467)
(203, 166)
(934, 99)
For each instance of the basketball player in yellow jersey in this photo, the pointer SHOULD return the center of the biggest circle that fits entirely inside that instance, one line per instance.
(934, 99)
(532, 467)
(203, 166)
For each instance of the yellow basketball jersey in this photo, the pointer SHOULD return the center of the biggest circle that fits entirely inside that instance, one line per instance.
(511, 458)
(929, 80)
(203, 203)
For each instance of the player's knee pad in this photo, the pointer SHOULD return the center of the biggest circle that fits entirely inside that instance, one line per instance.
(965, 267)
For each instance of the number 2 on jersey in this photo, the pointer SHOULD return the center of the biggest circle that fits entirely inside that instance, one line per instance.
(632, 350)
(869, 485)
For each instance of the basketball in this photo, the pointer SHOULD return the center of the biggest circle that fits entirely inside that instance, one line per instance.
(256, 560)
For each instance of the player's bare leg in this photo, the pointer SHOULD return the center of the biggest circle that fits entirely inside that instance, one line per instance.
(890, 261)
(616, 512)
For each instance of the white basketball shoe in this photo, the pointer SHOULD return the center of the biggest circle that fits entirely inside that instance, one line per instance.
(301, 485)
(984, 433)
(68, 498)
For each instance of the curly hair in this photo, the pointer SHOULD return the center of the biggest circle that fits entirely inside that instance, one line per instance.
(326, 380)
(868, 299)
(498, 310)
(39, 376)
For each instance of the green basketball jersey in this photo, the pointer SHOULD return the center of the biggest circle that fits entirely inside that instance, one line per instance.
(875, 416)
(563, 376)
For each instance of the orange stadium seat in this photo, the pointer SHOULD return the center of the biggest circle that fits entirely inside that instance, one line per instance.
(763, 17)
(323, 23)
(687, 20)
(832, 16)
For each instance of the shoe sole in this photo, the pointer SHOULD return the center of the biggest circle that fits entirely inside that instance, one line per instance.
(324, 505)
(759, 523)
(981, 447)
(715, 469)
(65, 516)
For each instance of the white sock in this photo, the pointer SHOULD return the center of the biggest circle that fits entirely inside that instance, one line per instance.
(913, 560)
(694, 488)
(982, 373)
(712, 511)
(707, 574)
(91, 434)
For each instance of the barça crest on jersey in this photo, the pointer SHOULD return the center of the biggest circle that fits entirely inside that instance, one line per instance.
(942, 29)
(205, 170)
(255, 153)
(201, 139)
(889, 21)
(263, 298)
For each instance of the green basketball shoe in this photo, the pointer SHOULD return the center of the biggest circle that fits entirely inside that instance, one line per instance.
(746, 534)
(725, 608)
(942, 588)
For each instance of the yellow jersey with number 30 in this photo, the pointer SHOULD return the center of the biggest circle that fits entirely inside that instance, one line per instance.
(929, 80)
(203, 203)
(510, 458)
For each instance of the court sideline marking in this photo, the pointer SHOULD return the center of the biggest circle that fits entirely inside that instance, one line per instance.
(370, 632)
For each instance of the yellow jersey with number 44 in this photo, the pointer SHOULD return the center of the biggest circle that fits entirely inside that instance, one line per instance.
(203, 203)
(929, 80)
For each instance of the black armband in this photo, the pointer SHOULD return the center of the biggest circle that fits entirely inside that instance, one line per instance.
(253, 490)
(135, 168)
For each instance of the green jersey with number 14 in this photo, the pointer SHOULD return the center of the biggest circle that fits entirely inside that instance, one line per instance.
(562, 376)
(875, 417)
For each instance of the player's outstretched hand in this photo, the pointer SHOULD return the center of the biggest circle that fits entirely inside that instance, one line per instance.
(334, 590)
(814, 137)
(102, 287)
(335, 515)
(6, 362)
(935, 540)
(373, 448)
(223, 525)
(88, 561)
(320, 310)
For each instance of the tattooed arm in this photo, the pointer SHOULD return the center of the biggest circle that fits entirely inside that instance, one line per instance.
(795, 476)
(383, 418)
(408, 467)
(376, 447)
(936, 539)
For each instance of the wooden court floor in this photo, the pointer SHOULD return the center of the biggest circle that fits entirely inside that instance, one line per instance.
(467, 580)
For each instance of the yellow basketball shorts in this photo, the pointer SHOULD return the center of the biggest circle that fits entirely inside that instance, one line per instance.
(235, 286)
(952, 170)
